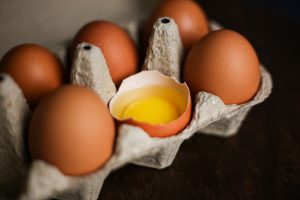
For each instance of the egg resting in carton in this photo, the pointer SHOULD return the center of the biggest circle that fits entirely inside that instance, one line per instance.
(40, 180)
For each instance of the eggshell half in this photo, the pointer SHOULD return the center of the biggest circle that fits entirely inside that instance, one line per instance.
(149, 78)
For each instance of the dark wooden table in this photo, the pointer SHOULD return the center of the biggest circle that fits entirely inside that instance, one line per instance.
(263, 160)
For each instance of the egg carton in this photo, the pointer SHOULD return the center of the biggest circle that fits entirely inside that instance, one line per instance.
(39, 180)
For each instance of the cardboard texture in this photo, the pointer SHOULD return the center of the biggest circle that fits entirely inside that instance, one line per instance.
(133, 145)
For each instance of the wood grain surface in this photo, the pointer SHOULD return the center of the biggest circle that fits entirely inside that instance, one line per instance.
(263, 160)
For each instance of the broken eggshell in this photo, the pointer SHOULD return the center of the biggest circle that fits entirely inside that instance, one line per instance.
(148, 84)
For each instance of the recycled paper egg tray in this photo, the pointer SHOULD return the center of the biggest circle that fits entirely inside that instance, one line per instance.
(40, 180)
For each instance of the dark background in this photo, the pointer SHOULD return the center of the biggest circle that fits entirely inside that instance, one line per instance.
(263, 160)
(289, 8)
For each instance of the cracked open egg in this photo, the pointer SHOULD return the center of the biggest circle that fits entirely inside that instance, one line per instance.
(154, 102)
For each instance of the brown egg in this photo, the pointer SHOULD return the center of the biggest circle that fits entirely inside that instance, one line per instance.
(116, 45)
(189, 17)
(35, 69)
(225, 64)
(72, 129)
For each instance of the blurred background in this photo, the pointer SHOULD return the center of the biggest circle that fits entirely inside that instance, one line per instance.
(52, 22)
(261, 162)
(289, 8)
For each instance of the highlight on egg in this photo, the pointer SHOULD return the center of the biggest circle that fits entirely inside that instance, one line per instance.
(154, 102)
(73, 130)
(35, 69)
(189, 16)
(225, 64)
(116, 45)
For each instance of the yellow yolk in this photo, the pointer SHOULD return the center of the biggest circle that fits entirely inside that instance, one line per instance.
(151, 109)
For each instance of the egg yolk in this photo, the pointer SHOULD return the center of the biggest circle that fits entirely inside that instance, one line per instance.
(151, 109)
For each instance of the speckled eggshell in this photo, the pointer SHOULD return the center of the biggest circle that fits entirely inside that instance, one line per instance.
(225, 64)
(118, 48)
